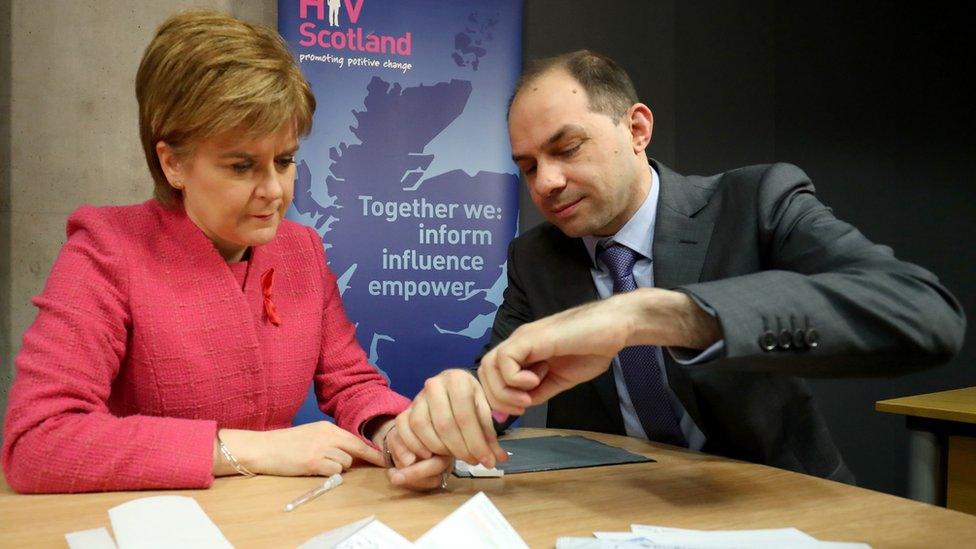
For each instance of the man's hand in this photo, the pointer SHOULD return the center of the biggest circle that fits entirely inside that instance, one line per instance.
(450, 416)
(409, 472)
(544, 358)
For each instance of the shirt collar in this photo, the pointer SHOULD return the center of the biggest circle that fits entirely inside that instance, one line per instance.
(638, 233)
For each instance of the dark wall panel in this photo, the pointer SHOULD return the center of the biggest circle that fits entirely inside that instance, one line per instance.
(873, 100)
(725, 85)
(636, 33)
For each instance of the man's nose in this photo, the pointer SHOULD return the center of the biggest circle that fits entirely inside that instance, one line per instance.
(548, 179)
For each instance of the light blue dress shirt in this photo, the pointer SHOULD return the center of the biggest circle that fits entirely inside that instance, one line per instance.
(638, 235)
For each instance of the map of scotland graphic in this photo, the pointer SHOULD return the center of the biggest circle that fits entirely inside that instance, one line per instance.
(388, 165)
(407, 173)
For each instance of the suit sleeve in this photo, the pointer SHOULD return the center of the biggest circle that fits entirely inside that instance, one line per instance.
(59, 434)
(851, 306)
(347, 386)
(513, 312)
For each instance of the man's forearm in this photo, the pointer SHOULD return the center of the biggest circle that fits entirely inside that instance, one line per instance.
(667, 318)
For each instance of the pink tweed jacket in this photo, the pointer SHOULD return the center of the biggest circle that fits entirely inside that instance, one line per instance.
(145, 344)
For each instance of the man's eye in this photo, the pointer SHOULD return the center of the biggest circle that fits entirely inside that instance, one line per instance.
(284, 162)
(570, 151)
(241, 167)
(529, 170)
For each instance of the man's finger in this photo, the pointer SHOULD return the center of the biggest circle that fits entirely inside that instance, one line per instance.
(550, 387)
(515, 400)
(405, 432)
(540, 369)
(402, 456)
(423, 427)
(488, 429)
(468, 423)
(501, 398)
(523, 380)
(514, 370)
(442, 416)
(424, 474)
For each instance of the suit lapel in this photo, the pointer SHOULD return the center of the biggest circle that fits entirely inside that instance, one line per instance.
(682, 232)
(680, 237)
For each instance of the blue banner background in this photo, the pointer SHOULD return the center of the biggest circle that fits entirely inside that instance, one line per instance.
(420, 132)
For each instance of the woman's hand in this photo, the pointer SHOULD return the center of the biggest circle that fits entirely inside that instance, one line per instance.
(319, 448)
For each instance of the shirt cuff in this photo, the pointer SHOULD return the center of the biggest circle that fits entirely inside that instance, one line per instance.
(688, 357)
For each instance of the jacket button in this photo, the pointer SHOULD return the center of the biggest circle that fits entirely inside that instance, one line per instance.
(767, 341)
(813, 338)
(785, 339)
(799, 339)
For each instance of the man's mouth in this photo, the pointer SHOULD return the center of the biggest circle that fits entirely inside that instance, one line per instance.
(565, 210)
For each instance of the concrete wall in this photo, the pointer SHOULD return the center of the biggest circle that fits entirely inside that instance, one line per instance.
(69, 131)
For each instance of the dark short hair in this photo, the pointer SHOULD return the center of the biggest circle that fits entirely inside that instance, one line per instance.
(609, 88)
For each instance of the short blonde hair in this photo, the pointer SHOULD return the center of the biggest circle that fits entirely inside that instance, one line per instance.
(206, 73)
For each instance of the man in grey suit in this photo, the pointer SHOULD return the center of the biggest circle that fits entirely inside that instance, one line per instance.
(679, 309)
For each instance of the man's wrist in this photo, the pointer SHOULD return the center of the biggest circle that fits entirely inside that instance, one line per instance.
(669, 319)
(645, 314)
(697, 328)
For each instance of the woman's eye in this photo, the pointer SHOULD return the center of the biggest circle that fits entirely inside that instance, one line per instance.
(241, 167)
(286, 161)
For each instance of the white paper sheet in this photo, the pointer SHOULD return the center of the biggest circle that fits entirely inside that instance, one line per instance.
(368, 533)
(328, 540)
(772, 538)
(478, 522)
(164, 521)
(633, 542)
(96, 538)
(376, 535)
(616, 536)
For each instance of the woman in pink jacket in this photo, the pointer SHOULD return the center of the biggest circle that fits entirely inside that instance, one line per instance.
(176, 339)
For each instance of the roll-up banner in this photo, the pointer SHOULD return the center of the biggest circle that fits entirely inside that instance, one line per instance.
(407, 174)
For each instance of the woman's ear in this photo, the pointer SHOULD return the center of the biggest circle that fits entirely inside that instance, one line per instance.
(171, 164)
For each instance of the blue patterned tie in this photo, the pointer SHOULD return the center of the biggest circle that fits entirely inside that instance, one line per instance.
(642, 372)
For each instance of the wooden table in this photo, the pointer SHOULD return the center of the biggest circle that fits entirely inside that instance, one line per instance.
(683, 489)
(947, 420)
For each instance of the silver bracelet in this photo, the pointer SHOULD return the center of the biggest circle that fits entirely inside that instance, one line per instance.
(387, 456)
(231, 459)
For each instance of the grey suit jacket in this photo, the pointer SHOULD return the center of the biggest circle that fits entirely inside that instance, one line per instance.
(797, 292)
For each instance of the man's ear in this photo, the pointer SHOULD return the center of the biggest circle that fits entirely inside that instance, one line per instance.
(641, 121)
(171, 164)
